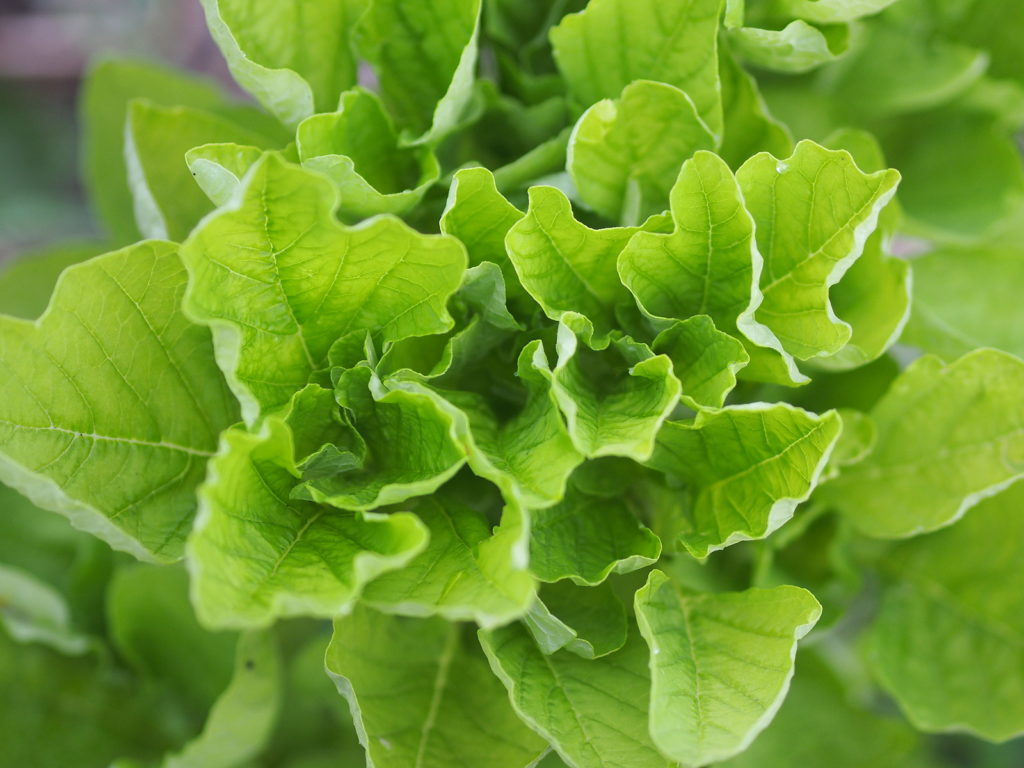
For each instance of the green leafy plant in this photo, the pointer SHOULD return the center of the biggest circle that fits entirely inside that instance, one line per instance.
(552, 367)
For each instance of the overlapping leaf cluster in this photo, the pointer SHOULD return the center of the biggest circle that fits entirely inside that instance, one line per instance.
(510, 360)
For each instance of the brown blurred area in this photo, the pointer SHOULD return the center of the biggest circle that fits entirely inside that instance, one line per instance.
(45, 48)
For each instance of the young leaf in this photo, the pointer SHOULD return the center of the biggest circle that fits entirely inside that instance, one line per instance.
(948, 436)
(720, 663)
(946, 642)
(277, 277)
(704, 359)
(797, 47)
(592, 712)
(219, 168)
(588, 621)
(421, 696)
(748, 467)
(624, 155)
(111, 403)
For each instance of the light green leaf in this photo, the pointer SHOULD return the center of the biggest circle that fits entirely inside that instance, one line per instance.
(109, 87)
(219, 168)
(422, 696)
(704, 359)
(167, 201)
(614, 400)
(813, 213)
(624, 155)
(27, 282)
(480, 216)
(749, 128)
(425, 56)
(948, 437)
(31, 611)
(832, 11)
(257, 554)
(614, 42)
(955, 293)
(797, 47)
(946, 642)
(592, 712)
(295, 58)
(465, 573)
(122, 466)
(819, 718)
(748, 467)
(588, 621)
(279, 279)
(720, 663)
(357, 148)
(709, 265)
(586, 539)
(244, 716)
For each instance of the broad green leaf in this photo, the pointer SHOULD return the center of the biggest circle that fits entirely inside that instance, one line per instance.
(813, 214)
(357, 148)
(243, 717)
(614, 42)
(111, 403)
(256, 553)
(748, 467)
(832, 11)
(109, 87)
(948, 437)
(27, 282)
(956, 292)
(219, 168)
(422, 695)
(565, 265)
(425, 56)
(797, 47)
(592, 712)
(709, 265)
(819, 718)
(588, 621)
(946, 642)
(625, 155)
(614, 400)
(295, 58)
(586, 539)
(167, 201)
(279, 279)
(465, 573)
(720, 663)
(749, 128)
(480, 216)
(31, 611)
(704, 359)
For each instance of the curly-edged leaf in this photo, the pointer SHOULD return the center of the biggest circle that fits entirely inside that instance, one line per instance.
(357, 147)
(624, 155)
(425, 56)
(709, 265)
(720, 663)
(465, 573)
(955, 293)
(565, 265)
(814, 212)
(749, 128)
(31, 611)
(295, 58)
(947, 640)
(797, 47)
(278, 279)
(589, 621)
(586, 539)
(111, 404)
(167, 201)
(614, 400)
(257, 554)
(606, 47)
(818, 718)
(592, 712)
(422, 695)
(748, 467)
(219, 168)
(244, 716)
(108, 88)
(704, 359)
(480, 216)
(948, 436)
(832, 11)
(412, 446)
